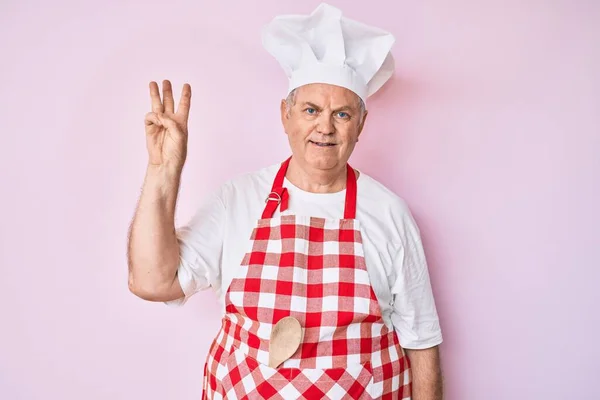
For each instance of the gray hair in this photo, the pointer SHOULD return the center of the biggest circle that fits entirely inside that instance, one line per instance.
(290, 101)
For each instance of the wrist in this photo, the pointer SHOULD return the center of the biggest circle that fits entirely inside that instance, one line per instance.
(162, 182)
(170, 172)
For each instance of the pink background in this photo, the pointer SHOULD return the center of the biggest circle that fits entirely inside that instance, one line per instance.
(490, 130)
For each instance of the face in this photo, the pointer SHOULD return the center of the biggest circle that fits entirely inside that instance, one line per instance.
(323, 125)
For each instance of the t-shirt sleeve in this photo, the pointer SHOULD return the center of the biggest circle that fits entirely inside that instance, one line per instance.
(414, 313)
(200, 249)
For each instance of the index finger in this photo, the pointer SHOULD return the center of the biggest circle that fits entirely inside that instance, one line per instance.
(183, 108)
(157, 105)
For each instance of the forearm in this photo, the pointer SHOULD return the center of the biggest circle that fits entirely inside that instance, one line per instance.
(153, 251)
(426, 374)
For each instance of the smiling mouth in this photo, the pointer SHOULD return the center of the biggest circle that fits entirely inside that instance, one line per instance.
(322, 144)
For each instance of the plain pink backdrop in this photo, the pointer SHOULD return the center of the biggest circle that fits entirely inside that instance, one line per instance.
(490, 130)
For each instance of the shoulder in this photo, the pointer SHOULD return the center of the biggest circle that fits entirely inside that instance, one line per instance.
(372, 190)
(389, 208)
(247, 184)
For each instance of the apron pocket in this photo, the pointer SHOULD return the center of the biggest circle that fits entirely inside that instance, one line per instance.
(246, 376)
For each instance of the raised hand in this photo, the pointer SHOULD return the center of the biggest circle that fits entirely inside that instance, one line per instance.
(167, 130)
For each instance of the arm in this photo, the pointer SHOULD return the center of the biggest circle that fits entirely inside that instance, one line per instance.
(414, 314)
(153, 250)
(426, 374)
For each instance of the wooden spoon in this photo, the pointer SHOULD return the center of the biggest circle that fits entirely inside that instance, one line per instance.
(285, 339)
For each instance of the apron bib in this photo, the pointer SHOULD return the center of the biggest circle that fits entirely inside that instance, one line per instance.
(312, 269)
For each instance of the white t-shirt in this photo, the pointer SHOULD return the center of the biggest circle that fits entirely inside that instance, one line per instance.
(213, 244)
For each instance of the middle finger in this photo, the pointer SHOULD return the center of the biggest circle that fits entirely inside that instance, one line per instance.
(168, 97)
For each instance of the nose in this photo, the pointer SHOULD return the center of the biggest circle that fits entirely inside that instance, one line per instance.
(325, 124)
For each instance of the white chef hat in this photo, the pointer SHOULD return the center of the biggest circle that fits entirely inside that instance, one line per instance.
(325, 47)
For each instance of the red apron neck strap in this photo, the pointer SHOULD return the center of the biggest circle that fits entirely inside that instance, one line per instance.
(279, 178)
(350, 209)
(279, 195)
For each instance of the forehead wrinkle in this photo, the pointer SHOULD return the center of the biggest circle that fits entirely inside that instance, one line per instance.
(320, 92)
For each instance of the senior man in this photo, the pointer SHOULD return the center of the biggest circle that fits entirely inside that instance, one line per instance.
(319, 268)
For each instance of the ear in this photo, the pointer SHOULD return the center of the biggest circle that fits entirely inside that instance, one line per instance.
(362, 124)
(284, 114)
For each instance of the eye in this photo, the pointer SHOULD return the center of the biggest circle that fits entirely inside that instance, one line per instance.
(310, 110)
(343, 115)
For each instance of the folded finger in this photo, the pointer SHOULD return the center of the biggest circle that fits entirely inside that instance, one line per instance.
(167, 123)
(151, 119)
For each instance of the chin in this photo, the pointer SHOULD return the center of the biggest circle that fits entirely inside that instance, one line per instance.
(323, 163)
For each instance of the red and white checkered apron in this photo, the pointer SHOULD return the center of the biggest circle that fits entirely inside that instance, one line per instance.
(312, 269)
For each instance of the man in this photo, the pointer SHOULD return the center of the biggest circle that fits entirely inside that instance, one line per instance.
(319, 268)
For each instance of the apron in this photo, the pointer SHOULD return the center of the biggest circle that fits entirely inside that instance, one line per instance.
(312, 269)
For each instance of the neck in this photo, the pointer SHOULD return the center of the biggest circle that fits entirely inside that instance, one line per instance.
(316, 180)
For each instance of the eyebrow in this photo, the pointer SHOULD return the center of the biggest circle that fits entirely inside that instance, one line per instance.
(343, 108)
(312, 105)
